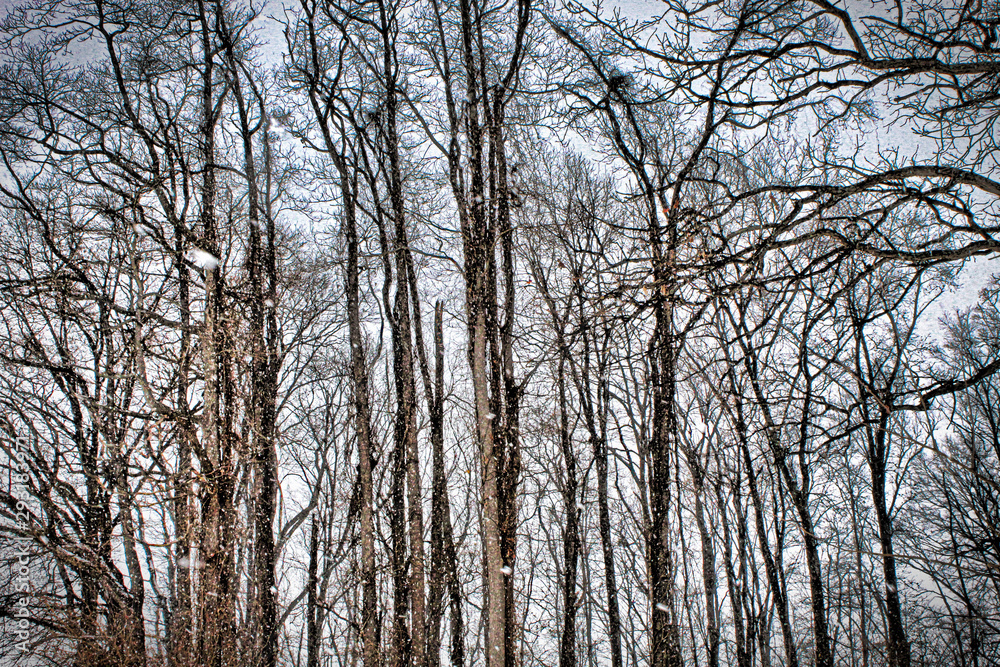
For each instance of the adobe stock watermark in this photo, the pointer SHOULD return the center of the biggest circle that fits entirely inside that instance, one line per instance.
(22, 565)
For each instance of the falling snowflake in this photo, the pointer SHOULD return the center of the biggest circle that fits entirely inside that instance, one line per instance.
(491, 416)
(506, 569)
(269, 303)
(202, 259)
(187, 563)
(662, 607)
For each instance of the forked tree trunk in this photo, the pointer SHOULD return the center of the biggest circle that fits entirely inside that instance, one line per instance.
(362, 424)
(770, 567)
(799, 494)
(216, 599)
(403, 361)
(444, 560)
(262, 400)
(736, 588)
(480, 312)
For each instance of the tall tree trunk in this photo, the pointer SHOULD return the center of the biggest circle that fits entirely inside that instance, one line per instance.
(444, 561)
(736, 588)
(400, 655)
(571, 533)
(496, 395)
(824, 658)
(897, 644)
(217, 636)
(362, 424)
(595, 416)
(478, 249)
(607, 545)
(313, 628)
(709, 580)
(770, 567)
(859, 573)
(665, 644)
(262, 404)
(348, 181)
(798, 489)
(406, 417)
(799, 493)
(181, 629)
(507, 388)
(134, 648)
(436, 580)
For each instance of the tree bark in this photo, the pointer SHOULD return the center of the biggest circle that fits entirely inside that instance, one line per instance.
(571, 532)
(262, 403)
(736, 588)
(665, 642)
(217, 635)
(179, 651)
(897, 644)
(770, 567)
(403, 362)
(313, 627)
(478, 248)
(444, 560)
(709, 579)
(362, 426)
